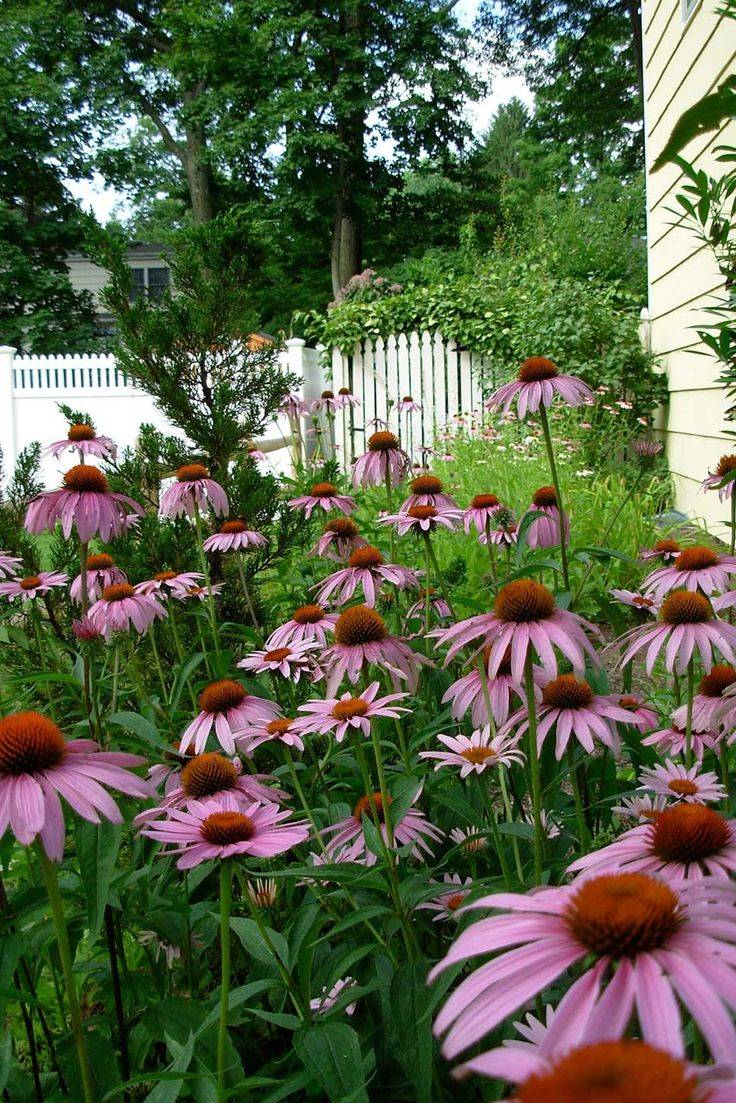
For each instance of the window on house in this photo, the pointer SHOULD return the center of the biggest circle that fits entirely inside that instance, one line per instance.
(687, 7)
(138, 286)
(158, 281)
(149, 281)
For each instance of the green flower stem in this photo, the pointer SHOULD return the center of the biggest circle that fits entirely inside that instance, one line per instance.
(180, 649)
(534, 768)
(558, 492)
(491, 553)
(390, 509)
(246, 591)
(42, 656)
(427, 599)
(497, 840)
(483, 672)
(208, 583)
(292, 988)
(438, 574)
(689, 713)
(157, 660)
(383, 787)
(226, 896)
(579, 811)
(51, 881)
(302, 798)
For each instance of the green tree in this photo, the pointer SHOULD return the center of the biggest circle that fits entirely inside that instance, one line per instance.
(39, 221)
(584, 62)
(193, 350)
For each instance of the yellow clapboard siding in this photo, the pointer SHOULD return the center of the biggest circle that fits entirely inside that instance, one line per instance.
(685, 82)
(677, 48)
(673, 280)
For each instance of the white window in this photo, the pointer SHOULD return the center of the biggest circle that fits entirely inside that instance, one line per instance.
(687, 7)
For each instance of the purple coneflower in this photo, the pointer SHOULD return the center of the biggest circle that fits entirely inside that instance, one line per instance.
(224, 829)
(325, 496)
(710, 706)
(422, 519)
(407, 405)
(641, 603)
(646, 941)
(427, 490)
(341, 715)
(722, 479)
(538, 381)
(83, 439)
(102, 572)
(446, 904)
(294, 406)
(643, 809)
(505, 530)
(682, 783)
(339, 538)
(437, 605)
(284, 729)
(673, 740)
(262, 892)
(84, 629)
(481, 512)
(38, 765)
(120, 606)
(686, 624)
(308, 622)
(348, 399)
(193, 491)
(696, 568)
(211, 775)
(234, 536)
(688, 841)
(34, 585)
(84, 501)
(328, 402)
(569, 707)
(329, 997)
(640, 716)
(647, 450)
(412, 829)
(470, 842)
(562, 1068)
(170, 583)
(362, 639)
(290, 662)
(467, 693)
(368, 569)
(475, 753)
(227, 708)
(526, 621)
(385, 461)
(544, 532)
(9, 564)
(664, 551)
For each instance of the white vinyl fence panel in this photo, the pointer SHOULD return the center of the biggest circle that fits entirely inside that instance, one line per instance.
(31, 387)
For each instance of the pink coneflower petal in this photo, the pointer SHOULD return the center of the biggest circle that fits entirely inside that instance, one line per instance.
(86, 503)
(340, 715)
(323, 496)
(384, 460)
(26, 589)
(225, 828)
(193, 489)
(37, 765)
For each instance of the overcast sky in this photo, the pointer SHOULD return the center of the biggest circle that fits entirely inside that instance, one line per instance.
(102, 201)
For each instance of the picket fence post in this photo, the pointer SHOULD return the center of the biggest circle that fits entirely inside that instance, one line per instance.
(7, 411)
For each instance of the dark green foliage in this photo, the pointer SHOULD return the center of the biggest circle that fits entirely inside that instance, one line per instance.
(193, 349)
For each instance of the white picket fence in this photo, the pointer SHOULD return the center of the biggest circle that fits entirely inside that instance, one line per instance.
(448, 382)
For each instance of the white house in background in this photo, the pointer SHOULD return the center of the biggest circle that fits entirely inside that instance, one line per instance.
(689, 49)
(151, 276)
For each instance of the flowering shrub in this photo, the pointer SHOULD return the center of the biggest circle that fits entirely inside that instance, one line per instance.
(366, 287)
(437, 801)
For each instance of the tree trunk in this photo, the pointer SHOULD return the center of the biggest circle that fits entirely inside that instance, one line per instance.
(346, 253)
(199, 177)
(636, 36)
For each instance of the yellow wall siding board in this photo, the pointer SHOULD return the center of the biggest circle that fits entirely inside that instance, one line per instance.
(678, 49)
